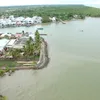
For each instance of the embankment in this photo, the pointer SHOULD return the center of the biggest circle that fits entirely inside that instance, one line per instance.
(43, 60)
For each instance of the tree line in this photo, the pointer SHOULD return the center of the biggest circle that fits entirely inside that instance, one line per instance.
(64, 12)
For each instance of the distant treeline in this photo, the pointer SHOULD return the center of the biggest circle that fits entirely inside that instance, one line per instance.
(64, 12)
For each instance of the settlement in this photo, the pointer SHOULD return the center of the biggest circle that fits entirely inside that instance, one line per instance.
(12, 21)
(17, 41)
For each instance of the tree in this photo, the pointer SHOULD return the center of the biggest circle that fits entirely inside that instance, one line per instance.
(37, 40)
(45, 19)
(15, 53)
(82, 16)
(2, 97)
(29, 47)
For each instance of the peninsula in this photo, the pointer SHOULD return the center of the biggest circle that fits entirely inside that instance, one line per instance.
(27, 51)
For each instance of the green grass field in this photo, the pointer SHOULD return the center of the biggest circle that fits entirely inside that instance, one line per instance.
(9, 63)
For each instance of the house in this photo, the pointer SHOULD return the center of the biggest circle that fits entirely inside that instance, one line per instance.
(20, 43)
(11, 43)
(11, 18)
(32, 35)
(1, 51)
(18, 35)
(8, 22)
(13, 23)
(37, 19)
(53, 19)
(75, 16)
(6, 34)
(28, 21)
(3, 23)
(19, 21)
(3, 43)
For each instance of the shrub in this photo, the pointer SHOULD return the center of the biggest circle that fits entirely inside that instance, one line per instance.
(2, 72)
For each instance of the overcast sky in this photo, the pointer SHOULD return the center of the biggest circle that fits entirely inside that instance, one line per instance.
(95, 3)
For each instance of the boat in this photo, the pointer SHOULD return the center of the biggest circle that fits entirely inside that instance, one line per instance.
(43, 34)
(40, 28)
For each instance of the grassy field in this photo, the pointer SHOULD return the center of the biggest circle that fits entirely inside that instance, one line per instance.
(9, 63)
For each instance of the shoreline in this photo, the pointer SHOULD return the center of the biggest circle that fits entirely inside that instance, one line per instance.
(47, 22)
(43, 59)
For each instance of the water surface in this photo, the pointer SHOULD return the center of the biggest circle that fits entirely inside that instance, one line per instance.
(74, 69)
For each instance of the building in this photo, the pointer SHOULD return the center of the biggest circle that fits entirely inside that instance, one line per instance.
(6, 34)
(32, 35)
(53, 19)
(12, 21)
(18, 44)
(28, 21)
(3, 44)
(11, 43)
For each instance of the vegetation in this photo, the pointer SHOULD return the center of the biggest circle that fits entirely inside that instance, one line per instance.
(7, 63)
(37, 40)
(30, 50)
(64, 12)
(2, 72)
(2, 97)
(8, 69)
(46, 19)
(29, 47)
(15, 53)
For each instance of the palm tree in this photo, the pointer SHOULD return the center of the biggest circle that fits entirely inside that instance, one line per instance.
(32, 48)
(15, 53)
(37, 40)
(29, 47)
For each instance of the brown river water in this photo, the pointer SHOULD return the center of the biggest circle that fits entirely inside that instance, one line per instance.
(73, 72)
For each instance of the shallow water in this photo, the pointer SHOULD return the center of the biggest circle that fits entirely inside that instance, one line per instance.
(74, 69)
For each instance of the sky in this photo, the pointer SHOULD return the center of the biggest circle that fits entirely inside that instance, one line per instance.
(94, 3)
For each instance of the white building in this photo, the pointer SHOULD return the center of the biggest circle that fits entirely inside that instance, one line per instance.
(20, 21)
(32, 35)
(11, 43)
(11, 18)
(53, 19)
(37, 19)
(8, 22)
(3, 43)
(28, 20)
(3, 23)
(6, 34)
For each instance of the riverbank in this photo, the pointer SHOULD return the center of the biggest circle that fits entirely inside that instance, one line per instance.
(43, 59)
(2, 97)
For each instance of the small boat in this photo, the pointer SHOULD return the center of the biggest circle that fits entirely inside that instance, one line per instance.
(43, 34)
(40, 28)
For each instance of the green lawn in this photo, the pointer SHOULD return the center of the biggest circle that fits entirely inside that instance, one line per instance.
(9, 63)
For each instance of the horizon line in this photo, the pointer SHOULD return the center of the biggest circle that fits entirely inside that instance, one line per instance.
(40, 4)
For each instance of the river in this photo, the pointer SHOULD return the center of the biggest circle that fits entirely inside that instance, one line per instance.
(73, 72)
